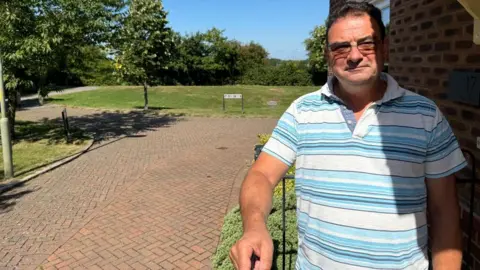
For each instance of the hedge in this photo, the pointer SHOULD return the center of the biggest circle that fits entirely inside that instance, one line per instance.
(232, 228)
(285, 74)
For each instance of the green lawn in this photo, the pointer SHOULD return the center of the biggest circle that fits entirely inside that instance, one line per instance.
(190, 100)
(40, 143)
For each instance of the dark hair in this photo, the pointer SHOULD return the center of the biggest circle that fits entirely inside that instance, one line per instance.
(357, 9)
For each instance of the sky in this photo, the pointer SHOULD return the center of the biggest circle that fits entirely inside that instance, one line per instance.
(280, 26)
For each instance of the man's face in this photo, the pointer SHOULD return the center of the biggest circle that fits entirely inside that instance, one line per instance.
(355, 50)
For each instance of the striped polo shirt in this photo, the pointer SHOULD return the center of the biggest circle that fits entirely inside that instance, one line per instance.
(361, 193)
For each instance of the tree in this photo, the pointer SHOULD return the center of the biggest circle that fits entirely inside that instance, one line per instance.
(316, 47)
(144, 43)
(221, 58)
(205, 58)
(20, 47)
(37, 35)
(91, 67)
(192, 49)
(251, 56)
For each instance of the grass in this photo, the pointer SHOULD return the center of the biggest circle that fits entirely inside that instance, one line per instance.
(40, 143)
(190, 100)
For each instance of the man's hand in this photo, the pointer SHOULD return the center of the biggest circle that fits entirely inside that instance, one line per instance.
(256, 242)
(444, 220)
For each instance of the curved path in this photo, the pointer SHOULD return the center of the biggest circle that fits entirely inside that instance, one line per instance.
(64, 92)
(151, 195)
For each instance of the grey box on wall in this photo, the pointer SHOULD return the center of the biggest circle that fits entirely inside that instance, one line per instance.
(464, 86)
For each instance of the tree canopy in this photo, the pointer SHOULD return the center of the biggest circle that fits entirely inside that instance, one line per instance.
(316, 46)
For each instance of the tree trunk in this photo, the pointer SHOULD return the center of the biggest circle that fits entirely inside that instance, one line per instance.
(145, 95)
(11, 109)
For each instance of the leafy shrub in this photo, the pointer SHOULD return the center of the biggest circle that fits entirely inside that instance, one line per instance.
(292, 73)
(263, 138)
(289, 186)
(232, 229)
(256, 75)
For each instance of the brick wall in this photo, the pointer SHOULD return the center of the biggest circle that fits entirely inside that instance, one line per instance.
(428, 40)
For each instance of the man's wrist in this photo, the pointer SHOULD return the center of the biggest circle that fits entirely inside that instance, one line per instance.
(254, 221)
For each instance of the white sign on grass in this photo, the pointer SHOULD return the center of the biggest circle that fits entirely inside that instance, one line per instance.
(232, 96)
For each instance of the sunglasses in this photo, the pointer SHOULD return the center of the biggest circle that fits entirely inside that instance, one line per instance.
(366, 46)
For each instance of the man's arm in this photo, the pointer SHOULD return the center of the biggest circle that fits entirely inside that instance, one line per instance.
(257, 189)
(256, 193)
(444, 218)
(255, 205)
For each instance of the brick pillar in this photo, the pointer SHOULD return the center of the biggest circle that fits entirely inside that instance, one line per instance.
(428, 40)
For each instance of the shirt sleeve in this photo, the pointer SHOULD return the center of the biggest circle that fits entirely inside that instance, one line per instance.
(284, 140)
(444, 155)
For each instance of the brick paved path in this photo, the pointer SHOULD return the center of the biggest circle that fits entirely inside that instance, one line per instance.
(151, 201)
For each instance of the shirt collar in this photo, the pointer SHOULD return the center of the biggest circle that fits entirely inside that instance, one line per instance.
(393, 89)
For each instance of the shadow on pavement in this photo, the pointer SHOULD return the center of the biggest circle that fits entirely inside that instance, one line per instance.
(111, 125)
(154, 108)
(50, 130)
(103, 126)
(9, 193)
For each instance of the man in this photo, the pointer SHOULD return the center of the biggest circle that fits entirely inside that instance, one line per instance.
(370, 157)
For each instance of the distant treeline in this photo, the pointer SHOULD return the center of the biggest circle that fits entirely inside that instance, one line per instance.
(201, 59)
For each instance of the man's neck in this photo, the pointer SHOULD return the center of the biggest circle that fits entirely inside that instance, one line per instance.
(357, 98)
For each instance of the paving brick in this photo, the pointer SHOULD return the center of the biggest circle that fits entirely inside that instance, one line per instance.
(182, 265)
(175, 258)
(52, 257)
(138, 266)
(198, 249)
(152, 265)
(189, 256)
(167, 265)
(78, 255)
(146, 200)
(161, 258)
(196, 264)
(109, 267)
(14, 261)
(123, 266)
(64, 263)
